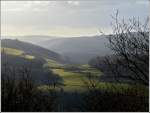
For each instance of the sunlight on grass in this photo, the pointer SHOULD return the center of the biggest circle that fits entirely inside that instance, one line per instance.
(16, 52)
(29, 57)
(73, 80)
(51, 63)
(11, 51)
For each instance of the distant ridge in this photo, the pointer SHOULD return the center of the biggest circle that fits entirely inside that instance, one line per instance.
(78, 49)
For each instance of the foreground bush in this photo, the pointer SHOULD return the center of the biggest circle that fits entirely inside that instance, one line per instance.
(21, 94)
(96, 100)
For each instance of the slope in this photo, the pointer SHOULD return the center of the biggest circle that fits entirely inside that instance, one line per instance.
(31, 49)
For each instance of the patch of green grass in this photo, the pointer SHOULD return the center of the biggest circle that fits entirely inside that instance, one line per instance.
(72, 80)
(52, 64)
(69, 78)
(16, 52)
(11, 51)
(29, 57)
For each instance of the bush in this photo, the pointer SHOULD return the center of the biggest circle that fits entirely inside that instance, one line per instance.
(21, 94)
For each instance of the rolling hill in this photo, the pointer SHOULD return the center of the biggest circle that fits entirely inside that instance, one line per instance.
(31, 49)
(44, 69)
(77, 50)
(17, 56)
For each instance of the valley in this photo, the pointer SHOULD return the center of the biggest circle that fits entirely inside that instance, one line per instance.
(73, 76)
(75, 56)
(50, 72)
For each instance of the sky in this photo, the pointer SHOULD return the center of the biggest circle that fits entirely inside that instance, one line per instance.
(66, 18)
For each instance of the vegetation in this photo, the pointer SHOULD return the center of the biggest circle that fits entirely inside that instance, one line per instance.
(16, 52)
(128, 64)
(106, 101)
(21, 94)
(34, 81)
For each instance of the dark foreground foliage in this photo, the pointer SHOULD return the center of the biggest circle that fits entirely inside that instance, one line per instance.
(21, 94)
(115, 102)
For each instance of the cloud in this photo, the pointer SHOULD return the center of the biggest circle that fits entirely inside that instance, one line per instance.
(19, 6)
(76, 3)
(44, 16)
(143, 2)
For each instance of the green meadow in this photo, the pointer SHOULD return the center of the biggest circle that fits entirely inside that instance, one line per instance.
(74, 79)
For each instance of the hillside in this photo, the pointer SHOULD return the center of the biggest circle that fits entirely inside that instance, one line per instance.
(31, 49)
(44, 70)
(78, 49)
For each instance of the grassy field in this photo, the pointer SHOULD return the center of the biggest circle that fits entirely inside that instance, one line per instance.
(16, 52)
(73, 79)
(73, 75)
(11, 51)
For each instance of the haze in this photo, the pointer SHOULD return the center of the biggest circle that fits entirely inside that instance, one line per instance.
(65, 18)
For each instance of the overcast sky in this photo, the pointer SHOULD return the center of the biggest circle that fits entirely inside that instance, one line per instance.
(66, 18)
